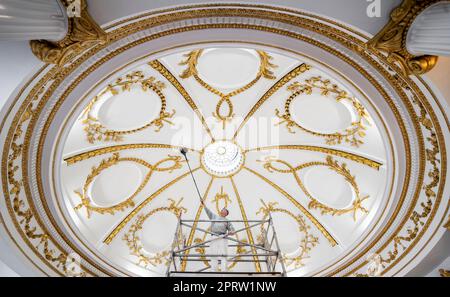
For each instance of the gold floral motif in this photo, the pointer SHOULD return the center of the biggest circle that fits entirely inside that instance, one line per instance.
(134, 242)
(417, 218)
(447, 225)
(270, 165)
(194, 225)
(96, 131)
(272, 90)
(221, 196)
(83, 32)
(159, 166)
(307, 243)
(246, 224)
(351, 134)
(325, 150)
(342, 37)
(264, 71)
(158, 66)
(39, 238)
(139, 207)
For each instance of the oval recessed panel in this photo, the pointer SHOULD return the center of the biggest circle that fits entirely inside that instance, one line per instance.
(228, 68)
(129, 109)
(328, 187)
(115, 184)
(287, 232)
(320, 114)
(157, 231)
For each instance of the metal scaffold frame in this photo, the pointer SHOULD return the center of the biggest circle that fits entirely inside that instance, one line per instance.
(266, 251)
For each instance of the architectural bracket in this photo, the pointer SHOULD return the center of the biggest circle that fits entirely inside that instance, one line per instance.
(392, 38)
(83, 32)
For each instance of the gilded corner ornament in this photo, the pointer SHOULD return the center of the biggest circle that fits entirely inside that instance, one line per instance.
(82, 33)
(392, 38)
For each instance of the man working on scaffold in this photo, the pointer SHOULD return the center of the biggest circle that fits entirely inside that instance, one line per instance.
(219, 246)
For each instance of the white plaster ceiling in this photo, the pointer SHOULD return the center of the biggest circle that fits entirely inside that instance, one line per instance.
(227, 69)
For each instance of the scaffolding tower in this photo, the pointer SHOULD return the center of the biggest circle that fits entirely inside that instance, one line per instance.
(265, 254)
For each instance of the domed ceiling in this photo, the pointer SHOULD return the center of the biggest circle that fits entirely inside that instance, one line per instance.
(266, 132)
(283, 113)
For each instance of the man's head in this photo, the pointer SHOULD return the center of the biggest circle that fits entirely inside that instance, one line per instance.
(224, 212)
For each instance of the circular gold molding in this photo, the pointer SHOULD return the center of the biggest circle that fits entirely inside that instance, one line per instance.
(431, 146)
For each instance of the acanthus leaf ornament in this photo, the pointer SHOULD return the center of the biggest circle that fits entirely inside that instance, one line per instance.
(264, 71)
(88, 203)
(96, 131)
(133, 240)
(270, 164)
(307, 243)
(352, 134)
(83, 33)
(392, 39)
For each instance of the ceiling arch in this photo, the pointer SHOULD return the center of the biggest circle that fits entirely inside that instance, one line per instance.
(405, 217)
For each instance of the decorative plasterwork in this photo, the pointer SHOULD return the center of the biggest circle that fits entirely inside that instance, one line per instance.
(83, 32)
(37, 230)
(352, 134)
(392, 38)
(96, 131)
(264, 71)
(169, 164)
(308, 241)
(276, 165)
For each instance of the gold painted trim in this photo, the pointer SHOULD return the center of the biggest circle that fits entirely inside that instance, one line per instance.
(141, 205)
(274, 88)
(316, 223)
(329, 151)
(352, 134)
(88, 202)
(308, 242)
(264, 72)
(444, 273)
(194, 225)
(83, 32)
(245, 219)
(442, 155)
(392, 38)
(341, 169)
(117, 148)
(299, 54)
(158, 66)
(95, 130)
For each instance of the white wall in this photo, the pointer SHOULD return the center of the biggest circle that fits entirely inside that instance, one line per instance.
(16, 61)
(352, 12)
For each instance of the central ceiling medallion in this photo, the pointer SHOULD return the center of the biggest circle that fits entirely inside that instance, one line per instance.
(222, 158)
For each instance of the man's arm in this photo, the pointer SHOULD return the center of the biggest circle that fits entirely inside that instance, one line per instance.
(209, 213)
(230, 228)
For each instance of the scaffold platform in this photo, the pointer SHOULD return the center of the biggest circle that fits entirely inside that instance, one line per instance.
(264, 255)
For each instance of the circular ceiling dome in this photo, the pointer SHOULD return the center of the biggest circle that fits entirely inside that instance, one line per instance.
(222, 158)
(341, 148)
(329, 181)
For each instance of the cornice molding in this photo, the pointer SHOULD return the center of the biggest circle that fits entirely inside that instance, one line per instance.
(392, 38)
(83, 32)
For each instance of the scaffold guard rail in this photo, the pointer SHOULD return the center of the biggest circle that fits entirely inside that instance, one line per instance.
(260, 258)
